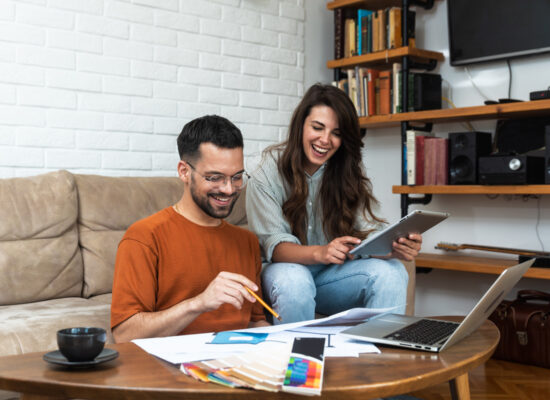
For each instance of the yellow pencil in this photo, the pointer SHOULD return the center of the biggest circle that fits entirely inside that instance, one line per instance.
(263, 303)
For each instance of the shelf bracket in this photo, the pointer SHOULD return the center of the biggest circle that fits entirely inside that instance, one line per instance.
(406, 201)
(428, 65)
(426, 4)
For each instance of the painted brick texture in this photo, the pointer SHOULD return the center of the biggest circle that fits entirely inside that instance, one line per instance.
(105, 86)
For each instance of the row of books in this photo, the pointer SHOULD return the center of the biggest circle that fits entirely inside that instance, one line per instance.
(426, 159)
(378, 92)
(363, 31)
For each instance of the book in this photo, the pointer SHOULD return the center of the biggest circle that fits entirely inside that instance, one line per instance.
(415, 156)
(430, 162)
(381, 30)
(385, 90)
(362, 27)
(395, 36)
(362, 84)
(372, 77)
(442, 162)
(338, 33)
(375, 31)
(436, 161)
(350, 45)
(419, 151)
(304, 374)
(369, 33)
(352, 84)
(340, 15)
(396, 88)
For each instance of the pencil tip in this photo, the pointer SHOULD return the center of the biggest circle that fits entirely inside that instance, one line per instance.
(279, 318)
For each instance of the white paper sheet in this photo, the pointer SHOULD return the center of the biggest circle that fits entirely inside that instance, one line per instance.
(188, 348)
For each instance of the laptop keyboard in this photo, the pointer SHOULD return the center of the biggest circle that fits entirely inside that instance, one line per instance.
(425, 331)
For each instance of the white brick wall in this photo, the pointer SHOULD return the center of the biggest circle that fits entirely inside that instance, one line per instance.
(105, 86)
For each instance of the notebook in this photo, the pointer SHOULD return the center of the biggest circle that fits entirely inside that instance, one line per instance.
(436, 335)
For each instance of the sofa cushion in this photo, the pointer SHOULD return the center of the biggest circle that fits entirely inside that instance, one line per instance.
(39, 254)
(32, 327)
(107, 207)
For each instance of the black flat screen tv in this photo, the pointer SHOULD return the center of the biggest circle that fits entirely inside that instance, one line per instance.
(487, 30)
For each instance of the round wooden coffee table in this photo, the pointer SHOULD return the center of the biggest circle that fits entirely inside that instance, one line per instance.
(138, 375)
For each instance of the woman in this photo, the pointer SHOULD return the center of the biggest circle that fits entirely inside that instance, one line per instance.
(310, 203)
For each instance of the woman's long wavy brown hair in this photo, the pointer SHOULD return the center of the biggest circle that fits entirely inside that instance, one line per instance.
(345, 190)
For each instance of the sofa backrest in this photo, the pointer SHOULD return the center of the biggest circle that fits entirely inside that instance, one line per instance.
(107, 207)
(39, 254)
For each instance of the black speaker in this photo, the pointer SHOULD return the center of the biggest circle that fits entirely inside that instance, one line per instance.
(465, 148)
(547, 156)
(511, 170)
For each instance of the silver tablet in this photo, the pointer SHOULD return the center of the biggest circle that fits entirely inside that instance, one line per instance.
(380, 243)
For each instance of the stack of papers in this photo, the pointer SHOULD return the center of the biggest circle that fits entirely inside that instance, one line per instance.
(205, 346)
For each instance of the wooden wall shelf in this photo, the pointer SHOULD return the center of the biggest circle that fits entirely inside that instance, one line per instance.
(484, 265)
(386, 57)
(369, 4)
(472, 189)
(521, 109)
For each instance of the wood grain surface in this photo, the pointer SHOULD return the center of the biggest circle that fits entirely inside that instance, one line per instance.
(138, 375)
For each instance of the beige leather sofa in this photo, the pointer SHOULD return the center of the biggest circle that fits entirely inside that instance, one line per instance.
(59, 234)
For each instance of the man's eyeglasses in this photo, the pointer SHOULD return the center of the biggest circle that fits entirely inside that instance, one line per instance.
(238, 181)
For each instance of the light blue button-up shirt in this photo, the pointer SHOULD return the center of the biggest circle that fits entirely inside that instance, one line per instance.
(265, 196)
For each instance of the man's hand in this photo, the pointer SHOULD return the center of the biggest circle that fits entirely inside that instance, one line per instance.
(407, 249)
(227, 287)
(337, 251)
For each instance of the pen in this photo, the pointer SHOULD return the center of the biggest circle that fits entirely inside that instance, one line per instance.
(263, 303)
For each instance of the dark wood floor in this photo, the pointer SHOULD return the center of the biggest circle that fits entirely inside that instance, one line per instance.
(499, 380)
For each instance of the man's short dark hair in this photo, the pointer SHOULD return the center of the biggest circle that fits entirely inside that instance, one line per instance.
(208, 129)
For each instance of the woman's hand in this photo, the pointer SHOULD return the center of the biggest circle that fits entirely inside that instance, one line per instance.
(337, 251)
(407, 249)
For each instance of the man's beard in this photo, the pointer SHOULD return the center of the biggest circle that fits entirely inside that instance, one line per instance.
(207, 208)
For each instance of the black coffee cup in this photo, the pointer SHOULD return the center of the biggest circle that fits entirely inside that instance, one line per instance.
(81, 344)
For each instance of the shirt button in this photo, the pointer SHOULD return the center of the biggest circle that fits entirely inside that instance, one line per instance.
(310, 203)
(309, 227)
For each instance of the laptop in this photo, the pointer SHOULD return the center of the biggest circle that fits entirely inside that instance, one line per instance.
(431, 334)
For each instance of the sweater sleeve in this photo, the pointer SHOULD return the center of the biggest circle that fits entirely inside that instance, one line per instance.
(264, 208)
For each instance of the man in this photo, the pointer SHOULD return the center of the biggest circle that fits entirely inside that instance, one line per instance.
(184, 269)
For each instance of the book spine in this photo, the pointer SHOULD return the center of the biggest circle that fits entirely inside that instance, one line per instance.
(371, 94)
(358, 103)
(396, 88)
(411, 157)
(365, 84)
(442, 161)
(375, 31)
(430, 151)
(358, 31)
(369, 34)
(338, 34)
(410, 93)
(385, 94)
(420, 141)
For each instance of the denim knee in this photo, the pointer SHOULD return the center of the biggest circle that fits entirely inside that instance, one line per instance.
(287, 279)
(290, 289)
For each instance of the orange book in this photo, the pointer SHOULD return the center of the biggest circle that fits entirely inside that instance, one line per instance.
(395, 36)
(372, 77)
(385, 92)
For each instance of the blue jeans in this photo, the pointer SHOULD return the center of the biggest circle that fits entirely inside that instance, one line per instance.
(297, 291)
